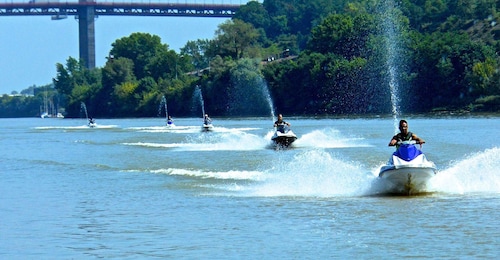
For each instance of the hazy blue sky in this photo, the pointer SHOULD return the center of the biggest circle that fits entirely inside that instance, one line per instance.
(31, 46)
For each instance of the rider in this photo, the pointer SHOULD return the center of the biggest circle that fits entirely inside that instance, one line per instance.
(280, 123)
(91, 120)
(207, 120)
(170, 120)
(405, 135)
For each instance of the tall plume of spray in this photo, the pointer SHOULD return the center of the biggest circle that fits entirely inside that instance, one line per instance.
(250, 94)
(392, 43)
(163, 105)
(198, 100)
(83, 107)
(267, 95)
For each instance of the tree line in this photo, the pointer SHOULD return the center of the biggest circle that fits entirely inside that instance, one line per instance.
(314, 57)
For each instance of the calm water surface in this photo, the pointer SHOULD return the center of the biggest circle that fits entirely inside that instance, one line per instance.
(133, 189)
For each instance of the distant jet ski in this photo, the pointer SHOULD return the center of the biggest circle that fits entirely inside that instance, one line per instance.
(170, 123)
(207, 127)
(207, 124)
(92, 123)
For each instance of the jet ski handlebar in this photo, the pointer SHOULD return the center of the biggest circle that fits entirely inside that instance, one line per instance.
(408, 142)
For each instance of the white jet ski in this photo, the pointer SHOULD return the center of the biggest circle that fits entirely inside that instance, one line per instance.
(92, 123)
(207, 127)
(283, 136)
(408, 170)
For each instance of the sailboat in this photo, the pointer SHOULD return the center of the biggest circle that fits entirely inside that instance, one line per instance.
(45, 113)
(49, 110)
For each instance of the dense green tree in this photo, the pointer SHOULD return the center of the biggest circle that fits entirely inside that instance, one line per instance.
(118, 71)
(197, 50)
(444, 64)
(141, 48)
(20, 106)
(77, 84)
(235, 37)
(254, 13)
(331, 34)
(164, 65)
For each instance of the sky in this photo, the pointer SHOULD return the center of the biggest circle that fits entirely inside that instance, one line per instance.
(31, 46)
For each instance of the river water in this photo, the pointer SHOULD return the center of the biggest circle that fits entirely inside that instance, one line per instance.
(132, 188)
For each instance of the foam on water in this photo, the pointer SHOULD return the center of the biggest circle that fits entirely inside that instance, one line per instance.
(313, 173)
(227, 175)
(75, 127)
(167, 129)
(328, 138)
(324, 138)
(479, 172)
(317, 173)
(224, 141)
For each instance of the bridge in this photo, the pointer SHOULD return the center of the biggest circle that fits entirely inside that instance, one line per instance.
(87, 10)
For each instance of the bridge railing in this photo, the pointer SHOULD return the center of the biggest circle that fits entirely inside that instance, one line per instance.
(147, 8)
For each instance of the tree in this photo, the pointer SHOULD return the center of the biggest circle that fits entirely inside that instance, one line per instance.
(65, 80)
(331, 34)
(118, 71)
(141, 48)
(485, 77)
(234, 38)
(342, 34)
(197, 50)
(254, 13)
(76, 83)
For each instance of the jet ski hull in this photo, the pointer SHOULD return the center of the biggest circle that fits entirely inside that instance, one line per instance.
(407, 179)
(408, 171)
(284, 139)
(207, 128)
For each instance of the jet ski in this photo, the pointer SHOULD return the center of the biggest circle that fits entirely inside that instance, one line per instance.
(207, 127)
(170, 124)
(283, 136)
(207, 124)
(92, 123)
(408, 171)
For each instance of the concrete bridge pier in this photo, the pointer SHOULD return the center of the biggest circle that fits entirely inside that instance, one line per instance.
(86, 17)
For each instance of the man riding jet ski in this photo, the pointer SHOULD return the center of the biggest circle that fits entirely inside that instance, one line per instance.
(408, 171)
(283, 136)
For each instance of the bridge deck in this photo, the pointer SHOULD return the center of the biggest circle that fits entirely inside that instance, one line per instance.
(117, 8)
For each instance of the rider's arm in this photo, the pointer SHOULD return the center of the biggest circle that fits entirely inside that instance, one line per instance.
(417, 139)
(394, 141)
